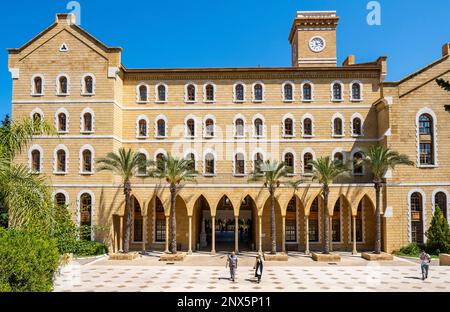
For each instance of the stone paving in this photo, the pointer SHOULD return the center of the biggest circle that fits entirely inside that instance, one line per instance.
(147, 274)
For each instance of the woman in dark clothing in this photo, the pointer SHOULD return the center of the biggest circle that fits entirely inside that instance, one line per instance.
(259, 266)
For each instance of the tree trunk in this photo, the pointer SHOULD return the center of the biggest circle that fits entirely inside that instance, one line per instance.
(128, 216)
(173, 220)
(272, 222)
(377, 218)
(326, 249)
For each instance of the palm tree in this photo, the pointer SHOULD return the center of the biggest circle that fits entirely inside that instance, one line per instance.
(125, 163)
(325, 171)
(271, 173)
(175, 171)
(379, 160)
(23, 195)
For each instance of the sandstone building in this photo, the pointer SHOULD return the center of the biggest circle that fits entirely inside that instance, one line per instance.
(228, 120)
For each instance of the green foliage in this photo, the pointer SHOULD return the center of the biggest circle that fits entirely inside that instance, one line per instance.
(175, 171)
(438, 235)
(28, 261)
(412, 250)
(327, 169)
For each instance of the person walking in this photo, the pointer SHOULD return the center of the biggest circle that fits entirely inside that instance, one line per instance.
(259, 266)
(425, 261)
(232, 262)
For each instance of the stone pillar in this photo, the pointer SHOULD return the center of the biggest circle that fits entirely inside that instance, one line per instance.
(167, 235)
(144, 232)
(121, 234)
(354, 252)
(260, 233)
(331, 233)
(283, 234)
(213, 235)
(307, 235)
(236, 234)
(190, 235)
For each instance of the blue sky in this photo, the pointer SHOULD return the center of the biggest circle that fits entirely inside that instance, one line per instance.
(232, 33)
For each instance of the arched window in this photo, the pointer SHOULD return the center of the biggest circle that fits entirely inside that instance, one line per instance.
(191, 93)
(87, 122)
(87, 161)
(60, 200)
(289, 162)
(88, 85)
(239, 93)
(336, 222)
(209, 128)
(160, 161)
(337, 92)
(37, 119)
(426, 140)
(337, 127)
(357, 126)
(307, 165)
(258, 92)
(142, 168)
(209, 93)
(356, 91)
(138, 222)
(307, 127)
(259, 127)
(358, 168)
(307, 92)
(62, 122)
(239, 164)
(143, 128)
(339, 157)
(440, 202)
(257, 162)
(162, 93)
(313, 221)
(61, 166)
(239, 128)
(38, 86)
(63, 85)
(288, 127)
(191, 157)
(416, 218)
(160, 221)
(36, 161)
(291, 221)
(86, 217)
(161, 128)
(209, 164)
(288, 92)
(143, 93)
(190, 127)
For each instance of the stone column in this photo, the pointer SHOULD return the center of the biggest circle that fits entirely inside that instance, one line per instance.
(307, 235)
(354, 252)
(121, 234)
(213, 235)
(167, 235)
(260, 233)
(236, 234)
(190, 235)
(144, 232)
(331, 233)
(283, 234)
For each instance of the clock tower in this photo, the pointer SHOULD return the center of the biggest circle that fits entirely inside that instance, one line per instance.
(313, 39)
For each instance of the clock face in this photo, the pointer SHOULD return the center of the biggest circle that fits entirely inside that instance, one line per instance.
(317, 44)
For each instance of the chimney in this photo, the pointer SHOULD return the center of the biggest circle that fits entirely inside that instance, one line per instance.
(350, 60)
(446, 49)
(68, 18)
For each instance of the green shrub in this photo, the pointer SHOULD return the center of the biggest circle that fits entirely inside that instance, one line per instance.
(28, 261)
(438, 235)
(412, 249)
(83, 248)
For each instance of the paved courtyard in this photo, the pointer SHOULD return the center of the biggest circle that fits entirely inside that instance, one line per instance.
(203, 273)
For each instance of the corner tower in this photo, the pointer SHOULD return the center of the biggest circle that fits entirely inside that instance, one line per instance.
(313, 39)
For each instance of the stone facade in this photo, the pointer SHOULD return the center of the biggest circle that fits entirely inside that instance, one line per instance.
(66, 58)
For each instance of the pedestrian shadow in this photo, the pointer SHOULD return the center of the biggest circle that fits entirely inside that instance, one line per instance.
(413, 277)
(224, 278)
(251, 280)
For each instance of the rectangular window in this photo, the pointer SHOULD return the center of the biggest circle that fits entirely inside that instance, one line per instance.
(336, 230)
(416, 232)
(426, 157)
(160, 231)
(138, 230)
(291, 231)
(313, 230)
